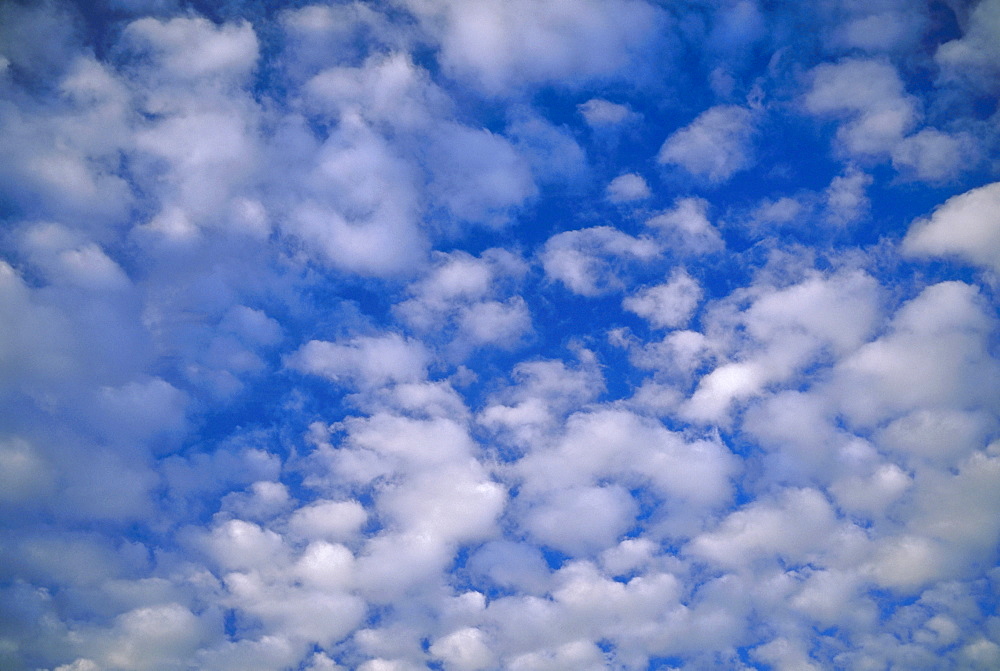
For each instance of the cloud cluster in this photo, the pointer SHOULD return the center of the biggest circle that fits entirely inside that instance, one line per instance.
(469, 335)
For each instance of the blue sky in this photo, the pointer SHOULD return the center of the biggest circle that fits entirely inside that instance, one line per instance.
(528, 335)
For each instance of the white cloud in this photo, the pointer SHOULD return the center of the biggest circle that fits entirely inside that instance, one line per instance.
(23, 471)
(251, 325)
(470, 174)
(195, 47)
(777, 212)
(589, 261)
(966, 226)
(934, 355)
(955, 512)
(845, 199)
(679, 354)
(463, 650)
(934, 156)
(795, 527)
(18, 25)
(264, 501)
(552, 151)
(790, 327)
(61, 157)
(68, 258)
(877, 115)
(975, 55)
(363, 361)
(716, 145)
(492, 322)
(386, 90)
(627, 187)
(364, 215)
(511, 565)
(142, 410)
(870, 95)
(400, 199)
(784, 655)
(451, 504)
(320, 35)
(576, 655)
(328, 520)
(599, 113)
(458, 298)
(498, 47)
(686, 228)
(938, 435)
(153, 637)
(541, 395)
(478, 175)
(620, 446)
(736, 26)
(581, 520)
(668, 305)
(879, 27)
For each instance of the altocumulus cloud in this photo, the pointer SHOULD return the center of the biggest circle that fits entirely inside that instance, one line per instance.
(468, 335)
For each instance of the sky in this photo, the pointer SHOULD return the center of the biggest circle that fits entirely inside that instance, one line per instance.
(536, 335)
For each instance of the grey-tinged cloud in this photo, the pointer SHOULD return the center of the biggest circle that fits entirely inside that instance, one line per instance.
(974, 57)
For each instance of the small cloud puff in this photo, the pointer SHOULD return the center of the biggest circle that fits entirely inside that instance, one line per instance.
(599, 113)
(667, 305)
(685, 228)
(628, 187)
(363, 361)
(590, 261)
(845, 199)
(716, 145)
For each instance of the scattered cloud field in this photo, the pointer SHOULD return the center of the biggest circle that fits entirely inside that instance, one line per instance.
(536, 335)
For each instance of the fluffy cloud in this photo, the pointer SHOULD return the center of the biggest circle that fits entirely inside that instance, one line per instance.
(354, 337)
(877, 117)
(589, 261)
(499, 46)
(937, 338)
(599, 112)
(974, 55)
(627, 187)
(364, 360)
(871, 94)
(965, 226)
(667, 305)
(365, 221)
(716, 145)
(685, 227)
(460, 297)
(932, 155)
(846, 201)
(789, 328)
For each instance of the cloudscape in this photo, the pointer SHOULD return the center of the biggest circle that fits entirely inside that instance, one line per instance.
(528, 335)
